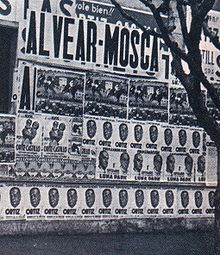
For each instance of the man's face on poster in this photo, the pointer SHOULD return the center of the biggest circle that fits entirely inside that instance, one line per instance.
(123, 132)
(153, 133)
(201, 164)
(123, 198)
(107, 130)
(53, 197)
(198, 199)
(168, 136)
(35, 197)
(196, 139)
(170, 164)
(139, 198)
(91, 128)
(158, 161)
(212, 199)
(188, 165)
(182, 137)
(138, 162)
(103, 159)
(169, 198)
(185, 199)
(15, 196)
(72, 197)
(155, 198)
(90, 197)
(124, 161)
(107, 197)
(138, 133)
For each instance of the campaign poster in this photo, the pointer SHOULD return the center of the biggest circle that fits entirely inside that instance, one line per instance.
(33, 203)
(186, 202)
(209, 202)
(180, 112)
(29, 136)
(113, 164)
(122, 202)
(7, 139)
(148, 101)
(90, 132)
(52, 209)
(137, 135)
(75, 138)
(198, 205)
(153, 202)
(59, 92)
(55, 137)
(105, 202)
(89, 202)
(71, 202)
(106, 96)
(153, 137)
(122, 134)
(97, 42)
(138, 202)
(14, 202)
(106, 132)
(169, 202)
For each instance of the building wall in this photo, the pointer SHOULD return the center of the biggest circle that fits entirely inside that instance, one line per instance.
(97, 127)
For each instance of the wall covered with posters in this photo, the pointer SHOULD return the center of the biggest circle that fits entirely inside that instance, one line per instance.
(99, 119)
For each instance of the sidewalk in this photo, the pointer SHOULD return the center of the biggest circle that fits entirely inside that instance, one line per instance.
(117, 244)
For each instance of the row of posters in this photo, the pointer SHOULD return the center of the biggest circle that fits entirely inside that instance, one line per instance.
(59, 135)
(80, 202)
(69, 93)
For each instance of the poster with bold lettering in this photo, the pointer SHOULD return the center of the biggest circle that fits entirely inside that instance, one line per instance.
(7, 139)
(122, 202)
(55, 137)
(148, 101)
(59, 92)
(169, 202)
(78, 37)
(113, 164)
(29, 137)
(105, 202)
(153, 205)
(14, 202)
(33, 203)
(106, 96)
(138, 203)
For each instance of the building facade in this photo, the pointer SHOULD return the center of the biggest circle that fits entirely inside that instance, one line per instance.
(94, 127)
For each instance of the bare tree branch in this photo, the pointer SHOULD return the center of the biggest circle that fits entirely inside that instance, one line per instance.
(205, 7)
(214, 38)
(164, 31)
(135, 21)
(182, 17)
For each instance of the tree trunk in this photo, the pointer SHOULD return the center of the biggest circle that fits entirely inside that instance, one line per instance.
(217, 207)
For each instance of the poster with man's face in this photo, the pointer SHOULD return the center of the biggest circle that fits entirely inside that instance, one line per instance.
(114, 164)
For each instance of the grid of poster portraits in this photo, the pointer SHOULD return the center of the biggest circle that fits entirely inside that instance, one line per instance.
(86, 201)
(94, 125)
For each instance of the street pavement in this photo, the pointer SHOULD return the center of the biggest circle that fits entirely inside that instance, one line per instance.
(190, 243)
